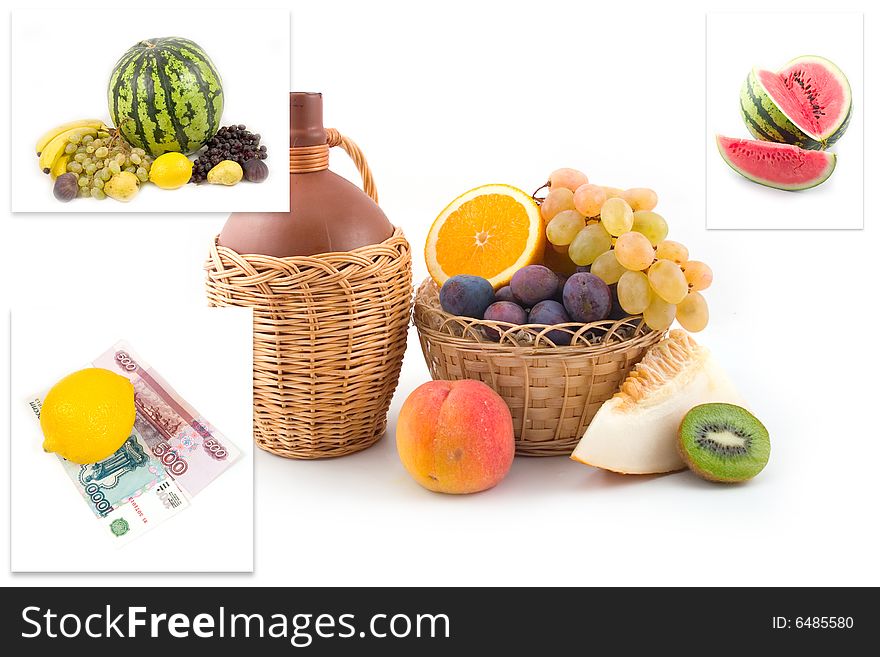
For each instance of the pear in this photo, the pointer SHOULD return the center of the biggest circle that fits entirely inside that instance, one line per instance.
(123, 186)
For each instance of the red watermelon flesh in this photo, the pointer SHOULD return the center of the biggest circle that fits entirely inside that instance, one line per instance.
(810, 95)
(777, 165)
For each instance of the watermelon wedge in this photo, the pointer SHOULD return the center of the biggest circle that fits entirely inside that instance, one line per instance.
(808, 103)
(782, 166)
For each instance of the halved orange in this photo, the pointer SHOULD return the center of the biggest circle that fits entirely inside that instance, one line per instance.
(490, 231)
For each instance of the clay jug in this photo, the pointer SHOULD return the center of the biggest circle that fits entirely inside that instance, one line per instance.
(327, 212)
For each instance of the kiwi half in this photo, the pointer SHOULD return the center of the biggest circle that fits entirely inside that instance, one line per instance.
(723, 442)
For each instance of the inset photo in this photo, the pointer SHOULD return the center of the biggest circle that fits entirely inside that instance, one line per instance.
(168, 112)
(132, 447)
(785, 130)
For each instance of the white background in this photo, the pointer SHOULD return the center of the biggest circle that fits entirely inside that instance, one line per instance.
(485, 92)
(61, 66)
(737, 41)
(206, 356)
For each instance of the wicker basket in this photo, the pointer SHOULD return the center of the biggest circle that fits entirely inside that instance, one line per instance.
(330, 331)
(553, 392)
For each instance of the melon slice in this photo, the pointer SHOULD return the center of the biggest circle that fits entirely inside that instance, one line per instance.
(636, 431)
(808, 103)
(781, 166)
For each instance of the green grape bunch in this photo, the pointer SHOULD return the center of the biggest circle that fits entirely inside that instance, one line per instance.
(617, 235)
(94, 160)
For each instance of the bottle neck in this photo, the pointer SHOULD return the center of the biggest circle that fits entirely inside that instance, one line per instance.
(309, 159)
(309, 141)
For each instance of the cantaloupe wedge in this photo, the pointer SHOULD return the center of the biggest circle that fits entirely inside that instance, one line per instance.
(635, 431)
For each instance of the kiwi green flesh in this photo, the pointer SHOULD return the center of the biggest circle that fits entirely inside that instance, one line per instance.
(723, 442)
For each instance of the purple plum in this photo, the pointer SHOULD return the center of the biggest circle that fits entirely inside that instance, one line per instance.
(586, 297)
(503, 311)
(505, 294)
(466, 296)
(551, 312)
(532, 284)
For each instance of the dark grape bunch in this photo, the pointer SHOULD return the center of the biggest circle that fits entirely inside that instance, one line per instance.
(234, 142)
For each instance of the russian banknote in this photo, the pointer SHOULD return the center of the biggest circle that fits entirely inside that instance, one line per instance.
(144, 510)
(172, 453)
(129, 491)
(192, 450)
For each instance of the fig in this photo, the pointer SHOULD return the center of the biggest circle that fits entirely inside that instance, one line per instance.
(66, 187)
(255, 170)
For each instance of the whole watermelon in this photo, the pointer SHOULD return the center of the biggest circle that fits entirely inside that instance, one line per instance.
(165, 95)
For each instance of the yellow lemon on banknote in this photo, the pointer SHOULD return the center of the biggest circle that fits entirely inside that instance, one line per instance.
(171, 170)
(88, 415)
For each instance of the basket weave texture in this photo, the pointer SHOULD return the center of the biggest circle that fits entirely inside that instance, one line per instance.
(553, 392)
(329, 336)
(330, 331)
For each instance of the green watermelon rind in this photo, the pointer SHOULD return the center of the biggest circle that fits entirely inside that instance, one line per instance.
(166, 98)
(813, 182)
(766, 121)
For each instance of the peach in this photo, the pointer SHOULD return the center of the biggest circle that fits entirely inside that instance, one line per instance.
(455, 436)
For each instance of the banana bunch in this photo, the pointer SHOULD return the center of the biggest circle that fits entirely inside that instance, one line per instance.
(50, 147)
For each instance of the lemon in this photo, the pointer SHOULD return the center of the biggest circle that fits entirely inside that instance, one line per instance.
(88, 415)
(171, 170)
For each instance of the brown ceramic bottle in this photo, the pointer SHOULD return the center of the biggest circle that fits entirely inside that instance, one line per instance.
(327, 212)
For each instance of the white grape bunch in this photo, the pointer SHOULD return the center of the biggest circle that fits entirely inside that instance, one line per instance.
(619, 236)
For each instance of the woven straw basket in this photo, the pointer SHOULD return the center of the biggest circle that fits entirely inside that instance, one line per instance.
(329, 336)
(553, 392)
